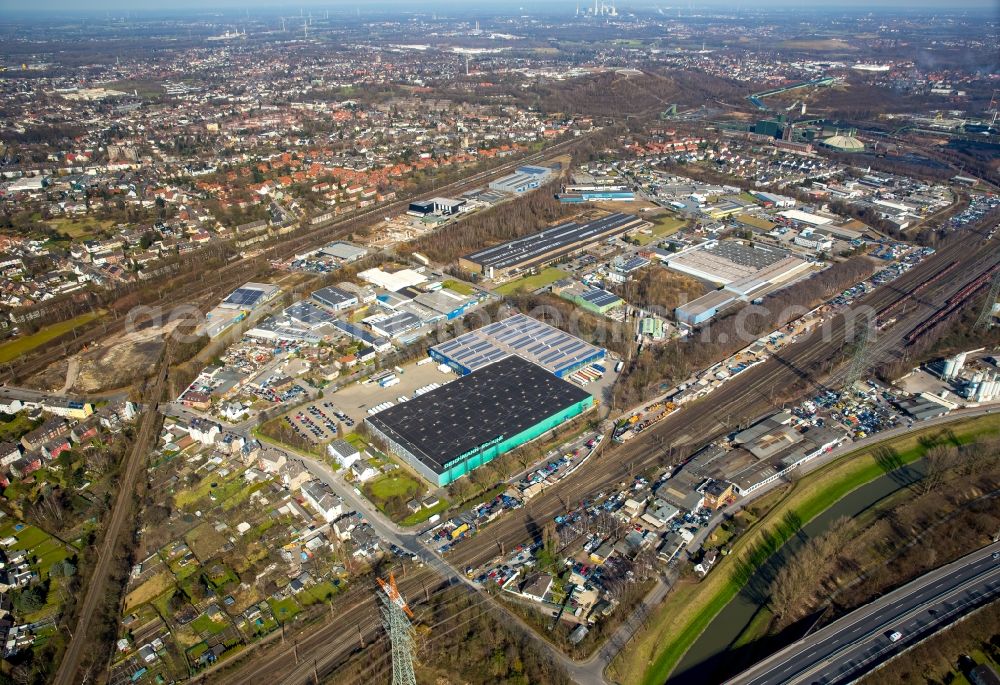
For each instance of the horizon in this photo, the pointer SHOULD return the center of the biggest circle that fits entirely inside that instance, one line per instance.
(148, 8)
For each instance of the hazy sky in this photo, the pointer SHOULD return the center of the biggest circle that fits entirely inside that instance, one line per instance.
(467, 6)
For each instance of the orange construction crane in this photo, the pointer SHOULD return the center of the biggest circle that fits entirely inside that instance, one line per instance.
(392, 592)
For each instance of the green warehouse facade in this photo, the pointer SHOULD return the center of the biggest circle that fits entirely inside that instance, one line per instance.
(451, 431)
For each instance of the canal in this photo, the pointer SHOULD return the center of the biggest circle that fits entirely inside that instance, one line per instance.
(709, 659)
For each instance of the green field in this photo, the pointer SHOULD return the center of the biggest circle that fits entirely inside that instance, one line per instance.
(79, 229)
(667, 225)
(15, 348)
(397, 485)
(47, 549)
(690, 608)
(224, 488)
(317, 593)
(539, 280)
(204, 625)
(663, 226)
(11, 431)
(146, 88)
(459, 287)
(284, 610)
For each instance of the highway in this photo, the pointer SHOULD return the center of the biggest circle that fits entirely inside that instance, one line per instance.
(857, 643)
(743, 398)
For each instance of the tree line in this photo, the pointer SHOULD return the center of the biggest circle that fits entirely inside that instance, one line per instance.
(677, 359)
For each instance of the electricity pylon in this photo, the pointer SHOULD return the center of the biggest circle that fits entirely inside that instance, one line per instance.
(986, 316)
(396, 617)
(859, 364)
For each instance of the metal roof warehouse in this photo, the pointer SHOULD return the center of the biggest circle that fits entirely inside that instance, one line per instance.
(538, 248)
(448, 432)
(558, 352)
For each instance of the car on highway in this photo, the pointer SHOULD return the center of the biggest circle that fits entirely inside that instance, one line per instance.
(895, 636)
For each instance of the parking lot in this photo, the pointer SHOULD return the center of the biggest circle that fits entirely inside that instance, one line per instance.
(979, 206)
(317, 422)
(356, 399)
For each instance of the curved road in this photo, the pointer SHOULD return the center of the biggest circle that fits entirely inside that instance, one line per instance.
(859, 642)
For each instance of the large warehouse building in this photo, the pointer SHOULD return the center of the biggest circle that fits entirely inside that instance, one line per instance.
(728, 262)
(745, 272)
(540, 248)
(523, 179)
(448, 432)
(554, 350)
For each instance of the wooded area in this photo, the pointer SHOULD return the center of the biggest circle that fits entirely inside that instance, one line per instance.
(655, 288)
(505, 221)
(677, 359)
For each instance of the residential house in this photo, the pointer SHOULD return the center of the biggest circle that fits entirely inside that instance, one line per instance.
(537, 587)
(9, 453)
(271, 460)
(323, 501)
(343, 452)
(363, 471)
(51, 429)
(707, 561)
(204, 431)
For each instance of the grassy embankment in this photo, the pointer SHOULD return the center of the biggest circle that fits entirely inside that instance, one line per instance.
(691, 607)
(534, 282)
(15, 348)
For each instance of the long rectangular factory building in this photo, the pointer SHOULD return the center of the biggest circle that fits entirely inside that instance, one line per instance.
(509, 258)
(554, 350)
(448, 432)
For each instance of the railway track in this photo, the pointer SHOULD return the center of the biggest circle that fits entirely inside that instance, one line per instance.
(742, 399)
(83, 635)
(320, 649)
(201, 292)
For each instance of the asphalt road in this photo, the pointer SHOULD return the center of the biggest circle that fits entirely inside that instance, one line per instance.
(824, 459)
(857, 643)
(320, 650)
(743, 399)
(10, 392)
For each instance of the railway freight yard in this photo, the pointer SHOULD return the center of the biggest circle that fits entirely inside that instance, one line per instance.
(748, 394)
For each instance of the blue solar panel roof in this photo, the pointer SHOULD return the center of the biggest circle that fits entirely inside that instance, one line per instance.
(534, 340)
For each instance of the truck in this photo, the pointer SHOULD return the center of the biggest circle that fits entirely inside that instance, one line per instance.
(388, 382)
(457, 532)
(619, 366)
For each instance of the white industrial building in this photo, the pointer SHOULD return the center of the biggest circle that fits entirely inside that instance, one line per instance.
(395, 281)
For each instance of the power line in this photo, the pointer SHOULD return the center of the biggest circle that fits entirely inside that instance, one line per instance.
(986, 316)
(859, 364)
(396, 618)
(477, 604)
